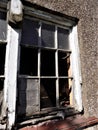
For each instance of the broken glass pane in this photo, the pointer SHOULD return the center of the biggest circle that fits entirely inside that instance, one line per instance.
(28, 61)
(63, 63)
(64, 92)
(47, 63)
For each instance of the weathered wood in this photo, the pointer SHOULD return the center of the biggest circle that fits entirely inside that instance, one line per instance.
(10, 82)
(16, 11)
(76, 71)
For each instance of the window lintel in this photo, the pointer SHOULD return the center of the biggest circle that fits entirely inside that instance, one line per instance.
(50, 15)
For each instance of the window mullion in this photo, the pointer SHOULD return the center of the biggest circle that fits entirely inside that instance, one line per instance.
(39, 51)
(56, 68)
(39, 59)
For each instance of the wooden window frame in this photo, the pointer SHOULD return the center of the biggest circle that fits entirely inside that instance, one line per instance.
(31, 14)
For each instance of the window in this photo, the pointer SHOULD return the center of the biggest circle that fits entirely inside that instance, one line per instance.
(45, 66)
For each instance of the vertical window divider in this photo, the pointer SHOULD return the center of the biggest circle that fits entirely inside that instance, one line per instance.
(39, 57)
(56, 68)
(39, 52)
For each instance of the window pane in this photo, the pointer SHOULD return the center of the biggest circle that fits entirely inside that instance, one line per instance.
(2, 58)
(63, 63)
(28, 96)
(28, 61)
(3, 26)
(30, 32)
(63, 42)
(47, 35)
(64, 92)
(48, 93)
(47, 63)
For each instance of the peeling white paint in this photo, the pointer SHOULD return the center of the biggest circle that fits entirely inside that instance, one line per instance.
(76, 69)
(11, 73)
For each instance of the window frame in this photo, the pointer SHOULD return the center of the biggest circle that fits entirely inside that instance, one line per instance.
(46, 17)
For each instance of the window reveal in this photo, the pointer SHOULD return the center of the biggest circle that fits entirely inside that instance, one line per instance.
(45, 57)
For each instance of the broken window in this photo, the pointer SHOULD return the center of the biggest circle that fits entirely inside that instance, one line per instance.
(44, 73)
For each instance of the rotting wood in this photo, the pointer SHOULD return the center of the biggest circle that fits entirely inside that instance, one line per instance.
(70, 123)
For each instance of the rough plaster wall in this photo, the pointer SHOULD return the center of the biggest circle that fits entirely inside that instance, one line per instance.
(87, 12)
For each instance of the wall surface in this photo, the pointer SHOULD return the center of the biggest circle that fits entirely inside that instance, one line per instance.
(87, 12)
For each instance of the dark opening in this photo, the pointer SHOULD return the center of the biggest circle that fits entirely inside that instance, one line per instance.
(28, 61)
(47, 63)
(48, 93)
(2, 58)
(64, 92)
(1, 84)
(1, 94)
(63, 64)
(30, 32)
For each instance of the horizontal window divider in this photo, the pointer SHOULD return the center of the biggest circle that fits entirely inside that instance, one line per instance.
(2, 76)
(65, 77)
(37, 46)
(45, 77)
(28, 77)
(45, 48)
(49, 77)
(28, 45)
(61, 77)
(3, 42)
(64, 50)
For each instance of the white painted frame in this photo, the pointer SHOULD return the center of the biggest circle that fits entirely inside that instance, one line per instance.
(11, 67)
(76, 70)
